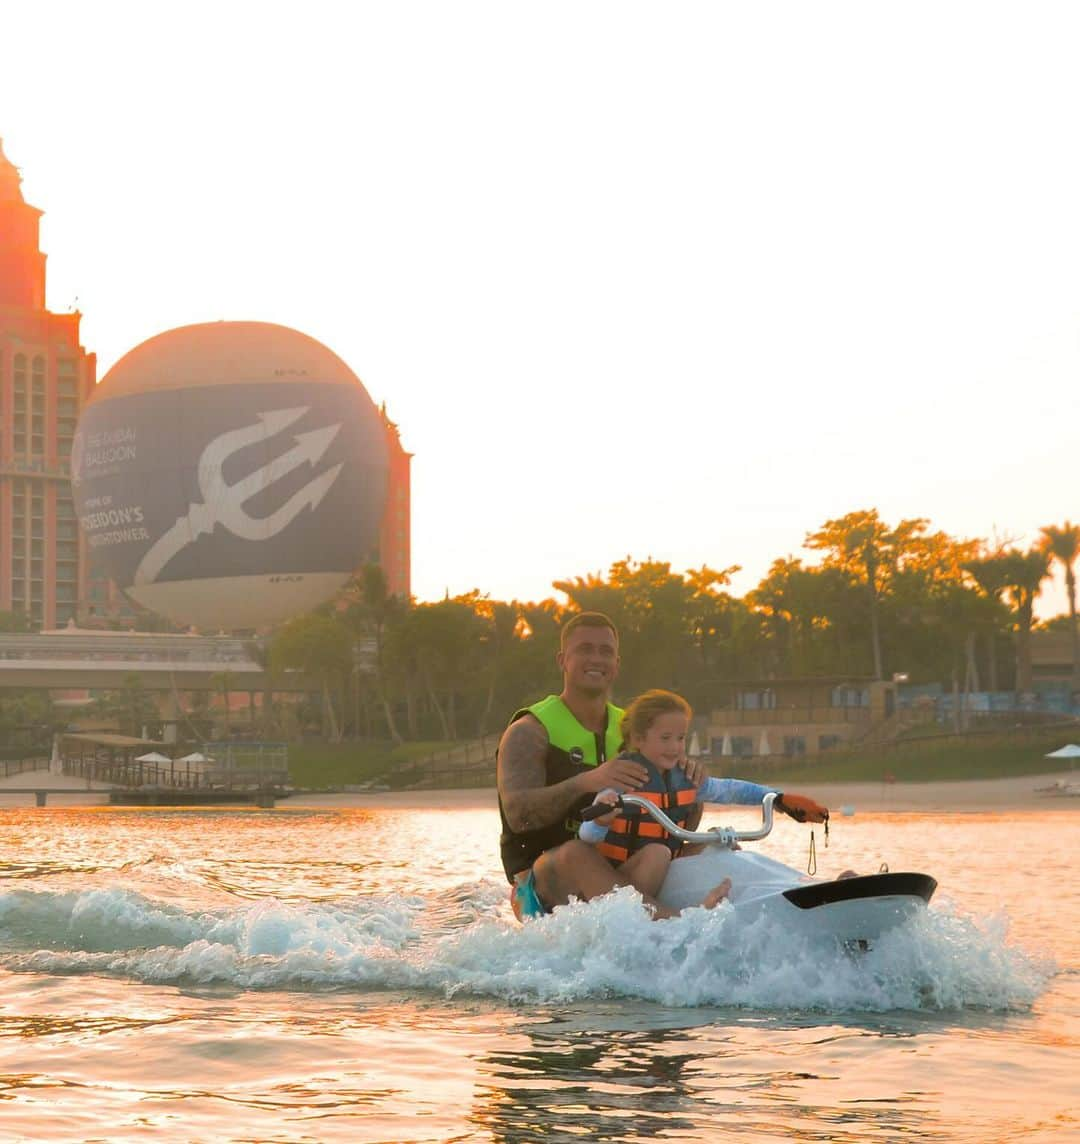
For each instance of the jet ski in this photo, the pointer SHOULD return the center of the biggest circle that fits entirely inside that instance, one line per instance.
(852, 910)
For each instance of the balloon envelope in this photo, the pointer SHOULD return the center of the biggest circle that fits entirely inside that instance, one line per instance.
(230, 474)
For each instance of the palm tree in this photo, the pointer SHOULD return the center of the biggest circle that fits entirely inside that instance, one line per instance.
(222, 682)
(259, 652)
(1025, 572)
(370, 615)
(1063, 545)
(991, 572)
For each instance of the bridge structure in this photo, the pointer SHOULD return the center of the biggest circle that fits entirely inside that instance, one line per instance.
(80, 659)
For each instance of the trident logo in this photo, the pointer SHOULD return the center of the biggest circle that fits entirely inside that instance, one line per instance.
(223, 503)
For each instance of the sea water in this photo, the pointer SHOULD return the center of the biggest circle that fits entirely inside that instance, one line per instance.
(356, 975)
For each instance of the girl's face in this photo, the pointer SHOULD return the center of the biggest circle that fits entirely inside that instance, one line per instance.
(664, 743)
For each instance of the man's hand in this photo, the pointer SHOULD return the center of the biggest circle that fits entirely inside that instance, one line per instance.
(802, 809)
(695, 770)
(622, 774)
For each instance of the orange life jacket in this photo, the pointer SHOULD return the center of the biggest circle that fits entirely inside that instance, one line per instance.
(671, 791)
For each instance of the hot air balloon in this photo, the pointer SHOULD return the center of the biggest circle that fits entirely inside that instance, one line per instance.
(230, 474)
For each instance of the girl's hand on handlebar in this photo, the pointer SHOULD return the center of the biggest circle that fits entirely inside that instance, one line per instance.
(610, 798)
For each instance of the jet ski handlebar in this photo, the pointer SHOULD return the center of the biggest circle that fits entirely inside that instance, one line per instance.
(717, 836)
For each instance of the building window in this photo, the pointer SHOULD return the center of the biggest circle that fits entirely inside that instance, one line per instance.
(742, 746)
(756, 700)
(794, 745)
(827, 742)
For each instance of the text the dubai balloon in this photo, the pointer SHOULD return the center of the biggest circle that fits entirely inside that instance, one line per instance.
(230, 474)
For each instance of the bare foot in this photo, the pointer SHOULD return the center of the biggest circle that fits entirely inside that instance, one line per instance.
(717, 894)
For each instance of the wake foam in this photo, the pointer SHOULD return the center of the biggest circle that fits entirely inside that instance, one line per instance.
(468, 943)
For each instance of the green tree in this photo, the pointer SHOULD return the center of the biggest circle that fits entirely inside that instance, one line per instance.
(1024, 573)
(371, 612)
(318, 645)
(865, 548)
(222, 682)
(501, 622)
(1062, 543)
(15, 622)
(259, 652)
(446, 639)
(131, 706)
(989, 569)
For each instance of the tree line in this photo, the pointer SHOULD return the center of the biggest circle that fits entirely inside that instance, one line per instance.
(870, 599)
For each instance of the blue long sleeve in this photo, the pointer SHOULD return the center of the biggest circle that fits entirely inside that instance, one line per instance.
(592, 832)
(737, 792)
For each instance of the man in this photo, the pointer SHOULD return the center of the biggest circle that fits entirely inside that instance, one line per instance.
(554, 757)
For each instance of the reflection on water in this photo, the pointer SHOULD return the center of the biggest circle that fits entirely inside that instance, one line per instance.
(356, 976)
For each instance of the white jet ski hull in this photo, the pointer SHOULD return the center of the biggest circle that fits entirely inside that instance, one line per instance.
(849, 910)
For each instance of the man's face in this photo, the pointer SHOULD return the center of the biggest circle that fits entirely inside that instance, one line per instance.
(590, 660)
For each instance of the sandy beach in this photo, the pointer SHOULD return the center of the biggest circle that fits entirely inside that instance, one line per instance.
(1026, 792)
(1018, 793)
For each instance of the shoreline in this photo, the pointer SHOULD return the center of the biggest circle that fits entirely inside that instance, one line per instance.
(1019, 792)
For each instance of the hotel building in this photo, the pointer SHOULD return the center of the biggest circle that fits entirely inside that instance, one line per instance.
(45, 376)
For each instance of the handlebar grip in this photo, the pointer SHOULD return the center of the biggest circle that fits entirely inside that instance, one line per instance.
(597, 809)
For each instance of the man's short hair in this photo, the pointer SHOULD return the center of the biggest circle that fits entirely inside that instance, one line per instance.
(586, 620)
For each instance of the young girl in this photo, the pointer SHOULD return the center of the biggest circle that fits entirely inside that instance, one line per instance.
(654, 730)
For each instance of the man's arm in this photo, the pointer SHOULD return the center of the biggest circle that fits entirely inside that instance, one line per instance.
(530, 804)
(527, 802)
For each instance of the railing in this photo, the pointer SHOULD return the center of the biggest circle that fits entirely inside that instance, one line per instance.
(775, 716)
(132, 773)
(469, 764)
(10, 767)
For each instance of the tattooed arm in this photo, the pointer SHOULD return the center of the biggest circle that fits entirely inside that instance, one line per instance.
(528, 803)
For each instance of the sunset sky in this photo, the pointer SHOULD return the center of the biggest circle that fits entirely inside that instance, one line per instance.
(680, 281)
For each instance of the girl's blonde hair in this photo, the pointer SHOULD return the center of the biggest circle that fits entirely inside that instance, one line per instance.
(643, 712)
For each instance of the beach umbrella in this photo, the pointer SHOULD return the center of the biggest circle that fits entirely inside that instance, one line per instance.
(153, 757)
(194, 757)
(1069, 751)
(695, 746)
(763, 746)
(56, 763)
(725, 746)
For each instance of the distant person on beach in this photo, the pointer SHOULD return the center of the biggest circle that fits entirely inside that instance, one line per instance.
(654, 730)
(554, 757)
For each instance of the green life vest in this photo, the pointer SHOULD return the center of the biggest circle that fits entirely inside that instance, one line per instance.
(572, 749)
(566, 734)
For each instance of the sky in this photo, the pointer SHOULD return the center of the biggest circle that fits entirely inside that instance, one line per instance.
(677, 282)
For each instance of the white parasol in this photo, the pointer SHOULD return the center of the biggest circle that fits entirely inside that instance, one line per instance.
(1069, 751)
(153, 757)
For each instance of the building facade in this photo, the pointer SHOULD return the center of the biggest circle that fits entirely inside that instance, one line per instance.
(394, 549)
(45, 376)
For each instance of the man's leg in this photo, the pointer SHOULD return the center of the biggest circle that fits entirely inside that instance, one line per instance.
(577, 870)
(573, 870)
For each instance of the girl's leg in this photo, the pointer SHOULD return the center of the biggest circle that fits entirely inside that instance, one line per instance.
(647, 869)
